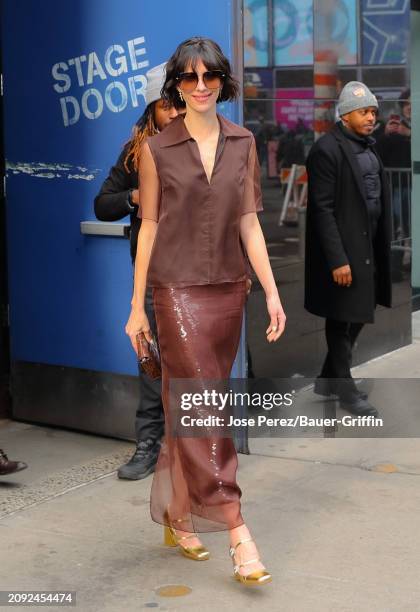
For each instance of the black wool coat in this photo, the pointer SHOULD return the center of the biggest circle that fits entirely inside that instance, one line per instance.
(338, 233)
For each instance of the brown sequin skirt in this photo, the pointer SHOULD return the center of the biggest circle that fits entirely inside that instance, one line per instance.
(199, 329)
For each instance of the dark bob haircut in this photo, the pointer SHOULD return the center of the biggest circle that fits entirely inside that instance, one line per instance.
(189, 53)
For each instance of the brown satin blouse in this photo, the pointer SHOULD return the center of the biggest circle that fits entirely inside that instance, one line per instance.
(197, 240)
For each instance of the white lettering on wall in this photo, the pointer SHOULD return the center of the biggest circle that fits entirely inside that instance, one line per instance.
(92, 68)
(116, 108)
(137, 85)
(70, 101)
(77, 62)
(98, 106)
(134, 53)
(120, 61)
(61, 77)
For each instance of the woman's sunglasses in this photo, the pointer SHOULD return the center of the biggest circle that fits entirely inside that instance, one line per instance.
(188, 81)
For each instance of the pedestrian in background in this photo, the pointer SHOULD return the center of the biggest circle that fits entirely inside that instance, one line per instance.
(117, 198)
(348, 239)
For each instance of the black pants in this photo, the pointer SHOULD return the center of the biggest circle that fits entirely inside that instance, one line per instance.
(340, 337)
(149, 416)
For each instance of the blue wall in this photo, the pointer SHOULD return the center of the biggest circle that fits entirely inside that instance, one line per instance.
(69, 293)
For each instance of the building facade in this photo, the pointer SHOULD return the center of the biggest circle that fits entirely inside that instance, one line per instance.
(69, 105)
(297, 57)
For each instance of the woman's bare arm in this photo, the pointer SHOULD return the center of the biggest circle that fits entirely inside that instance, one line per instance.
(149, 195)
(146, 239)
(254, 243)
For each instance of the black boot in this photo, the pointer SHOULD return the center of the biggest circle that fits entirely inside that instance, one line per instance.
(357, 406)
(325, 387)
(143, 462)
(10, 467)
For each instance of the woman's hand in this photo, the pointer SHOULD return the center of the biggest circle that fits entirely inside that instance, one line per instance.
(138, 322)
(277, 318)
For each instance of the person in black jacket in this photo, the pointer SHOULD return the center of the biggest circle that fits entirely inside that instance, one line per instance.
(117, 198)
(348, 239)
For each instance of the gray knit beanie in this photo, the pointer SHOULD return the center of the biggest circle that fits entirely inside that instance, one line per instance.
(355, 95)
(155, 80)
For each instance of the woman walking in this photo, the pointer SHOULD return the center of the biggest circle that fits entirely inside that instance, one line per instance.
(200, 192)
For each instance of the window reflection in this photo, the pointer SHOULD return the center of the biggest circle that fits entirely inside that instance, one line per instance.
(293, 32)
(256, 33)
(283, 132)
(385, 30)
(393, 143)
(303, 52)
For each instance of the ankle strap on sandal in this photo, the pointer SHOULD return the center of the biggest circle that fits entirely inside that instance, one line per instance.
(232, 549)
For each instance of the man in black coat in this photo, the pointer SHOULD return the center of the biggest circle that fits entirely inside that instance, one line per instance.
(348, 239)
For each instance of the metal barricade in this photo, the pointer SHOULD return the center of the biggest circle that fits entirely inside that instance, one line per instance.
(400, 181)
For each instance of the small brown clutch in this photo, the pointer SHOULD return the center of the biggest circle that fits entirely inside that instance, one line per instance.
(148, 356)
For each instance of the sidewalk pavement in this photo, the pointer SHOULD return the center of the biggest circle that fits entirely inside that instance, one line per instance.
(336, 521)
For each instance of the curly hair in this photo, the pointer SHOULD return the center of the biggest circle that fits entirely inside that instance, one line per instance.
(144, 127)
(189, 53)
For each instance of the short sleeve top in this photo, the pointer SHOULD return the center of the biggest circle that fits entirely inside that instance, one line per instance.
(198, 235)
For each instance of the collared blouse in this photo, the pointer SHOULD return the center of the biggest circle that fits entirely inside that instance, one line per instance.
(198, 239)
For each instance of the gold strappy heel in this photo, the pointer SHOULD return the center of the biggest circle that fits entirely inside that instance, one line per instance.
(170, 538)
(256, 578)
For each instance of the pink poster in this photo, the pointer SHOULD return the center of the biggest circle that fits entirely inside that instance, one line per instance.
(293, 105)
